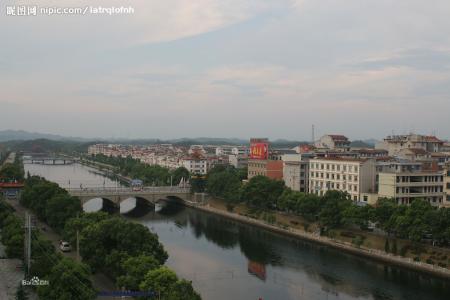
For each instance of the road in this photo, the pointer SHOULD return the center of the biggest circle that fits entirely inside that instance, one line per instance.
(99, 280)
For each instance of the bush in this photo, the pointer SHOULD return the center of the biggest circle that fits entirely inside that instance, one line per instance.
(230, 207)
(430, 261)
(348, 234)
(404, 250)
(358, 241)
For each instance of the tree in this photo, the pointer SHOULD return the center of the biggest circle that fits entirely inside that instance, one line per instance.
(262, 192)
(134, 270)
(166, 285)
(68, 280)
(60, 209)
(224, 183)
(334, 204)
(178, 174)
(125, 238)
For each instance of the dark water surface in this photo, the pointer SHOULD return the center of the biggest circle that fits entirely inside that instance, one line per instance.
(228, 260)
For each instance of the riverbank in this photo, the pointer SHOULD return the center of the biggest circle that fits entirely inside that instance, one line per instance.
(372, 254)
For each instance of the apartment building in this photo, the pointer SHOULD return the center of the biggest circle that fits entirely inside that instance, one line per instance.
(394, 143)
(406, 186)
(296, 171)
(195, 164)
(354, 176)
(447, 186)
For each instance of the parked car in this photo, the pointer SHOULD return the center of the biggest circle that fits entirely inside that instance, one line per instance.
(64, 246)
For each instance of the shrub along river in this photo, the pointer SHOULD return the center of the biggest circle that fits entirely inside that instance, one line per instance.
(228, 260)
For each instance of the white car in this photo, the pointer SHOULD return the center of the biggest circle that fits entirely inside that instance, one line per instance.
(65, 246)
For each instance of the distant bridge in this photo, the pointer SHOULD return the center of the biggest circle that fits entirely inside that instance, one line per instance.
(150, 194)
(49, 160)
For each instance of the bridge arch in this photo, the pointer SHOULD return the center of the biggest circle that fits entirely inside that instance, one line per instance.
(100, 204)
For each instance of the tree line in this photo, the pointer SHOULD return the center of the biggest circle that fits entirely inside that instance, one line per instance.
(149, 174)
(334, 209)
(128, 252)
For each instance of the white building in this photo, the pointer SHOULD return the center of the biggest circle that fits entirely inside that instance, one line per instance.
(195, 164)
(354, 176)
(447, 186)
(296, 171)
(407, 186)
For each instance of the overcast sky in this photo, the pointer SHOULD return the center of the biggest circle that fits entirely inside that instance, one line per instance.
(229, 68)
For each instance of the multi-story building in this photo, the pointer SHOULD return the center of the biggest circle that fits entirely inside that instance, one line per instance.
(394, 143)
(447, 186)
(267, 167)
(354, 176)
(296, 171)
(406, 186)
(333, 141)
(195, 164)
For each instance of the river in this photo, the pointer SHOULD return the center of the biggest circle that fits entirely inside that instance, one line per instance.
(228, 260)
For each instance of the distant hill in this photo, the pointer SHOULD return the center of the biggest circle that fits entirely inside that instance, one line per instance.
(21, 135)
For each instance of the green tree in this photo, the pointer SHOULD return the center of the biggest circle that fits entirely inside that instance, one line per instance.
(224, 184)
(167, 286)
(60, 209)
(67, 280)
(134, 270)
(178, 174)
(262, 192)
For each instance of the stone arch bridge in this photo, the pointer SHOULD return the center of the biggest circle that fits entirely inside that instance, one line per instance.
(150, 194)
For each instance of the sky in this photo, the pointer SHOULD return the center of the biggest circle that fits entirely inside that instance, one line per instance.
(228, 68)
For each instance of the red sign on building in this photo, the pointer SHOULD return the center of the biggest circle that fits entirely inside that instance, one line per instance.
(259, 150)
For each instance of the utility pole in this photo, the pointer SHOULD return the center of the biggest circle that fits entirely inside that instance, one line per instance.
(27, 245)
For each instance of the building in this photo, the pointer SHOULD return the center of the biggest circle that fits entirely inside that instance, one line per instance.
(394, 143)
(296, 171)
(352, 175)
(406, 186)
(333, 141)
(447, 186)
(238, 161)
(195, 164)
(261, 162)
(267, 167)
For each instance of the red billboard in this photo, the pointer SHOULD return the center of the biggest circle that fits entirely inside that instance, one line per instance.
(259, 150)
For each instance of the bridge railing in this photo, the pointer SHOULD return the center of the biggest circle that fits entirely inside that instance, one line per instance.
(129, 190)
